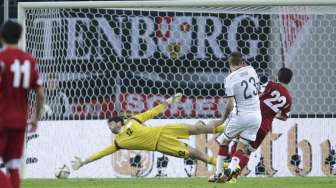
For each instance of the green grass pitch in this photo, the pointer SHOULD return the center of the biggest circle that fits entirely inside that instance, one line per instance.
(292, 182)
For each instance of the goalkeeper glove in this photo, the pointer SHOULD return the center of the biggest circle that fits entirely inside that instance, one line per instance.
(77, 163)
(174, 98)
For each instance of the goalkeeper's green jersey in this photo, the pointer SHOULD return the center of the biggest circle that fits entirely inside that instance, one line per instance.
(136, 136)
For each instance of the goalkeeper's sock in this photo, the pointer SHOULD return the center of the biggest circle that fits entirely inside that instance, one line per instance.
(4, 181)
(219, 129)
(14, 177)
(212, 161)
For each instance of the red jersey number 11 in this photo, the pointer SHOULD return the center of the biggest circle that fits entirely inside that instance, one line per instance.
(19, 71)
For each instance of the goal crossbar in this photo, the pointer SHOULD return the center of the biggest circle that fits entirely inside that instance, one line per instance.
(173, 3)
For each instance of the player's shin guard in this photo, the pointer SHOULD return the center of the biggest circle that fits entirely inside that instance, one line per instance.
(222, 155)
(4, 181)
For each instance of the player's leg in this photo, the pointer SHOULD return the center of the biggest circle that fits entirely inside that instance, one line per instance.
(254, 146)
(241, 156)
(176, 130)
(201, 128)
(197, 154)
(13, 155)
(170, 145)
(184, 130)
(230, 132)
(4, 181)
(222, 155)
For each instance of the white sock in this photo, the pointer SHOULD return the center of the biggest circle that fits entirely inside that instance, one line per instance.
(220, 164)
(234, 163)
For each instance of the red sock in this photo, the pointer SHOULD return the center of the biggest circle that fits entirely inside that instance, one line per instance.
(223, 150)
(14, 176)
(4, 181)
(243, 158)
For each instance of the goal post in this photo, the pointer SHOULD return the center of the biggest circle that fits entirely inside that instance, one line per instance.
(123, 57)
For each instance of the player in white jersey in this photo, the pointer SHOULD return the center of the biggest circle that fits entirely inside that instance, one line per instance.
(242, 115)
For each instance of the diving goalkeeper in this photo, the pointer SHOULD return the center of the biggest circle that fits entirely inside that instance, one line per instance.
(134, 135)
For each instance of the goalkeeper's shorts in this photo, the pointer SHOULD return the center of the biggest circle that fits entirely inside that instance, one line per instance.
(169, 142)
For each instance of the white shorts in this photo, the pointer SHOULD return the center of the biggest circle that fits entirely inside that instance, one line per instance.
(245, 125)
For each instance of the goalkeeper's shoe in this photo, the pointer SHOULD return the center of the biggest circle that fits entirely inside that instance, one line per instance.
(77, 163)
(175, 98)
(228, 175)
(233, 180)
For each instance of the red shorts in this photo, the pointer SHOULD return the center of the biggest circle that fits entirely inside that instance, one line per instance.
(262, 133)
(11, 143)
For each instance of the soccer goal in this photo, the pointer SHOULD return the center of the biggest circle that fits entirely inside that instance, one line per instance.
(100, 58)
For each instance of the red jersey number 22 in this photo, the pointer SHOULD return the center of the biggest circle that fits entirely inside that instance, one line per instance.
(276, 97)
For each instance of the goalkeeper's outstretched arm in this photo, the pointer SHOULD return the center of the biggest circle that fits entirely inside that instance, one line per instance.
(78, 163)
(150, 114)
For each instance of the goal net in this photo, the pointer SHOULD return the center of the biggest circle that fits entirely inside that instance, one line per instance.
(99, 60)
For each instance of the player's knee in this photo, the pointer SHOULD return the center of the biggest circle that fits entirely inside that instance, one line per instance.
(13, 164)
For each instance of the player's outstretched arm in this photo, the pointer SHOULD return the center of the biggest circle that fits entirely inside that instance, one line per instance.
(150, 114)
(78, 162)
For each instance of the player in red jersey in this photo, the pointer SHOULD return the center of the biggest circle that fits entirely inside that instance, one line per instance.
(18, 76)
(275, 102)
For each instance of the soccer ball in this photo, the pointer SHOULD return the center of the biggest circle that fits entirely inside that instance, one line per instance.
(62, 172)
